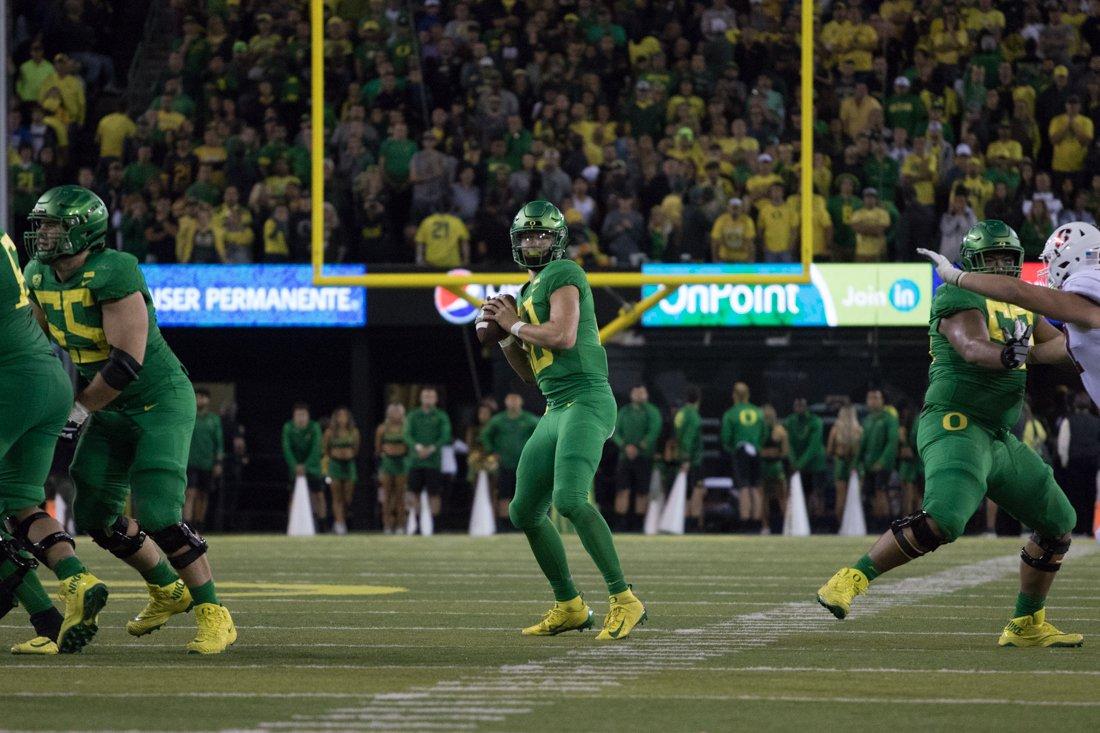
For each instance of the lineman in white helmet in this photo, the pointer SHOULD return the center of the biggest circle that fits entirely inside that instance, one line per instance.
(1072, 295)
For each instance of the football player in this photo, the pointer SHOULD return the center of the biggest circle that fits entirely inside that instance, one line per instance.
(35, 398)
(555, 344)
(980, 351)
(1072, 295)
(137, 411)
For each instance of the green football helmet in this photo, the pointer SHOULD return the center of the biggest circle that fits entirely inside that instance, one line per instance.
(81, 223)
(991, 236)
(539, 234)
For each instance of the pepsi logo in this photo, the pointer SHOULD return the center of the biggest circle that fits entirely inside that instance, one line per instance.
(454, 309)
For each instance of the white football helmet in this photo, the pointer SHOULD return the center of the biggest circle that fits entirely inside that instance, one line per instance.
(1072, 247)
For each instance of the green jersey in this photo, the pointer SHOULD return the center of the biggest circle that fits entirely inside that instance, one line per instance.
(506, 436)
(807, 447)
(992, 397)
(743, 423)
(74, 311)
(21, 338)
(638, 425)
(427, 428)
(207, 442)
(689, 435)
(563, 375)
(879, 444)
(302, 446)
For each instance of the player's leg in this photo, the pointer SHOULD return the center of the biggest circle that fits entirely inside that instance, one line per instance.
(841, 475)
(1024, 486)
(417, 483)
(586, 426)
(317, 502)
(435, 491)
(534, 489)
(643, 477)
(158, 477)
(191, 495)
(23, 471)
(506, 491)
(19, 584)
(400, 502)
(958, 456)
(622, 491)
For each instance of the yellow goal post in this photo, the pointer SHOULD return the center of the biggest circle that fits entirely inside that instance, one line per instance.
(456, 283)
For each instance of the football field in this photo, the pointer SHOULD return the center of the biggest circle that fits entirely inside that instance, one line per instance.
(409, 633)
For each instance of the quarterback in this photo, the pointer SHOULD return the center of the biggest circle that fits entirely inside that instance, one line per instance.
(554, 343)
(980, 350)
(137, 411)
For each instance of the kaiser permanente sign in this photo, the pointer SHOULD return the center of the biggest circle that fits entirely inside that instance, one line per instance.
(837, 295)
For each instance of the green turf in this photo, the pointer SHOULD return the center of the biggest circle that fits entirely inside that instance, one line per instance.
(311, 655)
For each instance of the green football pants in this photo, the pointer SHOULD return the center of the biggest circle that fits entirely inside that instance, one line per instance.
(35, 400)
(965, 462)
(139, 453)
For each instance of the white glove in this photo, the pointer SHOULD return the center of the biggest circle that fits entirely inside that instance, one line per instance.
(950, 274)
(77, 417)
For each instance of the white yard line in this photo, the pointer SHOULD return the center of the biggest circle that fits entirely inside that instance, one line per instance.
(608, 666)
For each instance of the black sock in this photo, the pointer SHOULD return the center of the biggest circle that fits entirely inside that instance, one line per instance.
(47, 623)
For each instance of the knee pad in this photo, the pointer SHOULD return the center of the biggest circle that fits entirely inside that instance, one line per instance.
(21, 533)
(177, 536)
(1051, 546)
(9, 552)
(927, 539)
(115, 540)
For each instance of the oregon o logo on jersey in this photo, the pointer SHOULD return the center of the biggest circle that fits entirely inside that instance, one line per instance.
(955, 421)
(748, 417)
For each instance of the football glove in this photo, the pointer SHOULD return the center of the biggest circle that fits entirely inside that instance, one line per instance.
(1017, 345)
(948, 272)
(77, 417)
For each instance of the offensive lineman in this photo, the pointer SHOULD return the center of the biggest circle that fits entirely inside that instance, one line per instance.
(138, 406)
(980, 349)
(34, 401)
(555, 344)
(1072, 295)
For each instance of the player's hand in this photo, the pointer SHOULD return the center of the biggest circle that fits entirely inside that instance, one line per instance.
(1017, 345)
(948, 272)
(499, 310)
(631, 452)
(77, 417)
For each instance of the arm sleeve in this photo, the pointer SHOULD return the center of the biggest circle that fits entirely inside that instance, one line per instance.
(653, 427)
(726, 435)
(950, 300)
(288, 454)
(487, 433)
(798, 458)
(566, 273)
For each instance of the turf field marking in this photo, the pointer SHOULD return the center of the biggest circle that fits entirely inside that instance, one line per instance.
(1024, 702)
(616, 663)
(900, 670)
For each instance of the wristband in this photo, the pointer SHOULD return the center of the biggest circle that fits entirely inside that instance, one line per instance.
(959, 279)
(505, 343)
(515, 329)
(79, 414)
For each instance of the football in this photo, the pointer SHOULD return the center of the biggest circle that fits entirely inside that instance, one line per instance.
(488, 331)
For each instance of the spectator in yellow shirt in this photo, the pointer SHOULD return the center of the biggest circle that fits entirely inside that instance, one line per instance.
(919, 169)
(33, 73)
(1004, 146)
(277, 235)
(739, 147)
(862, 41)
(985, 17)
(69, 85)
(856, 111)
(200, 242)
(733, 236)
(836, 34)
(870, 224)
(777, 224)
(168, 119)
(977, 188)
(1070, 134)
(112, 132)
(442, 241)
(761, 180)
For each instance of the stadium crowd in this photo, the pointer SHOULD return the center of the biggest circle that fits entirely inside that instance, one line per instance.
(665, 131)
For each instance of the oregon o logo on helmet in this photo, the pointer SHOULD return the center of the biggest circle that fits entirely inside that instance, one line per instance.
(453, 308)
(904, 295)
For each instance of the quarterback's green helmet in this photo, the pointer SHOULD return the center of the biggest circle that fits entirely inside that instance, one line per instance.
(65, 221)
(539, 234)
(991, 236)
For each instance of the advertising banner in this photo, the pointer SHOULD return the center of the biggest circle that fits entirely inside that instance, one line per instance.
(249, 296)
(838, 295)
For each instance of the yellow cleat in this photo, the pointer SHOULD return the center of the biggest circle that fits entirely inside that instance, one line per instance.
(842, 588)
(165, 601)
(574, 615)
(84, 597)
(38, 645)
(625, 613)
(216, 630)
(1034, 630)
